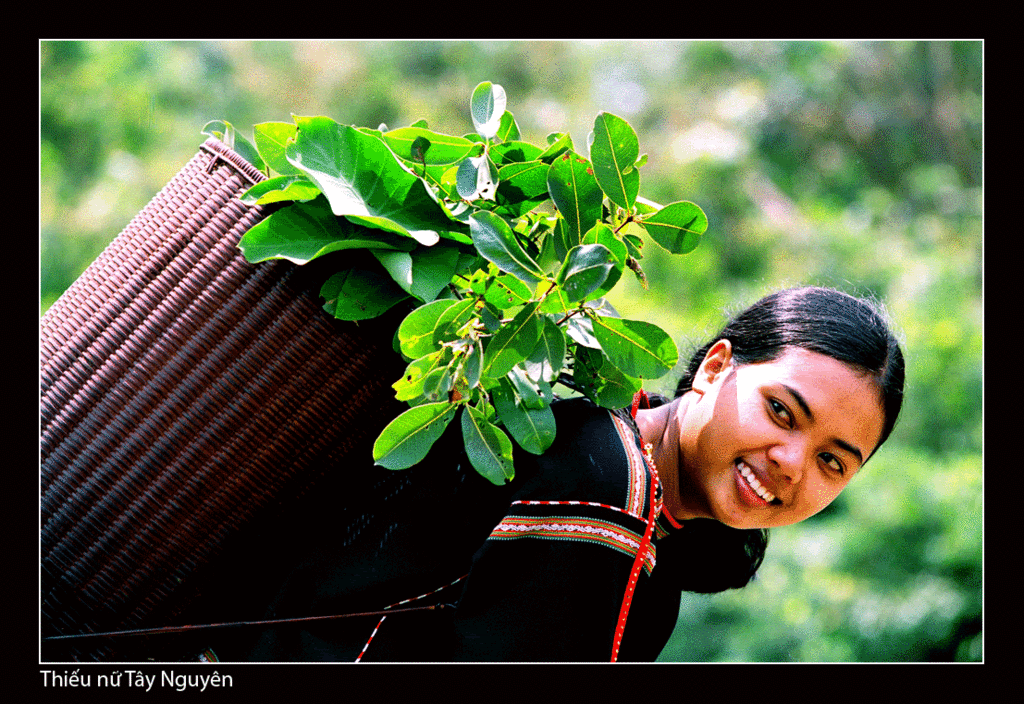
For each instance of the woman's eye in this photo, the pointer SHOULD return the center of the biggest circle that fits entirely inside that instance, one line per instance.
(781, 411)
(833, 462)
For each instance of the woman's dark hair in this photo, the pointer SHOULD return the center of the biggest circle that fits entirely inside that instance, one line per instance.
(849, 329)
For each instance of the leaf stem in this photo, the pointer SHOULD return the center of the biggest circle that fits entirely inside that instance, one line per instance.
(569, 315)
(625, 222)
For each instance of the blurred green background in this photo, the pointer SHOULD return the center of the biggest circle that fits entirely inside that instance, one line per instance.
(849, 164)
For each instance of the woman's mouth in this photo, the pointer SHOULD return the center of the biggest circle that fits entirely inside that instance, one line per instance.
(754, 484)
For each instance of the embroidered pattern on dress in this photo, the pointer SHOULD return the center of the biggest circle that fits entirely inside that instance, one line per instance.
(637, 468)
(574, 528)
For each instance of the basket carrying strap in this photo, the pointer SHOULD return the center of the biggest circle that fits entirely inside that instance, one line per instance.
(645, 544)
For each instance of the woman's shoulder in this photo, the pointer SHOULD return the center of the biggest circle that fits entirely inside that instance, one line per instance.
(595, 458)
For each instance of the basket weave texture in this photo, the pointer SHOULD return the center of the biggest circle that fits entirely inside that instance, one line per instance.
(185, 394)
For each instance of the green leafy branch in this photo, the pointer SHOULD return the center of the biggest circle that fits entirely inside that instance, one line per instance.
(503, 250)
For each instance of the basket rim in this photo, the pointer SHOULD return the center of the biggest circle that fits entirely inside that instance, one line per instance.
(220, 150)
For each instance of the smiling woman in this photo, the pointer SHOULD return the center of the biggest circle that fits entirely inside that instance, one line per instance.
(775, 415)
(746, 447)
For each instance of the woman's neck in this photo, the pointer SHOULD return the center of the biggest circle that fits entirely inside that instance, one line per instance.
(660, 427)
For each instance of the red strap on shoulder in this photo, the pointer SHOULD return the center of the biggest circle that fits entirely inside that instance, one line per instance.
(639, 396)
(634, 575)
(645, 544)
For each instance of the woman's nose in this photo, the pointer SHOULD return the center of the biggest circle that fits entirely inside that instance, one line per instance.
(789, 458)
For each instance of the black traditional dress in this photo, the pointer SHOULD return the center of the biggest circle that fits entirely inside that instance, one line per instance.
(562, 564)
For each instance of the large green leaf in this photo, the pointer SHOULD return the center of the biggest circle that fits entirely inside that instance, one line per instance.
(637, 348)
(497, 243)
(576, 194)
(556, 301)
(433, 269)
(281, 188)
(472, 363)
(416, 333)
(487, 105)
(585, 269)
(532, 428)
(522, 186)
(602, 234)
(508, 129)
(601, 380)
(546, 360)
(532, 394)
(302, 232)
(438, 383)
(513, 342)
(487, 446)
(443, 149)
(271, 140)
(424, 272)
(527, 178)
(451, 323)
(364, 182)
(490, 315)
(513, 152)
(558, 143)
(359, 294)
(580, 329)
(677, 227)
(507, 291)
(410, 386)
(408, 438)
(614, 153)
(476, 178)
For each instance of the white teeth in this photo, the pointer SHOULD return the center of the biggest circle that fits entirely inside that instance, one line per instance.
(754, 484)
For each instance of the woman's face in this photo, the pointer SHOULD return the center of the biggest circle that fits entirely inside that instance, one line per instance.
(771, 444)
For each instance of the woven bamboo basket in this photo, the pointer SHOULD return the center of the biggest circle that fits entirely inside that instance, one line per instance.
(187, 397)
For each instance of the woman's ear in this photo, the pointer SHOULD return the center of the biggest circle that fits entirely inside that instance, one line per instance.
(716, 362)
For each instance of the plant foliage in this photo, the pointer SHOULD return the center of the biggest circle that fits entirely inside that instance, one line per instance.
(503, 249)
